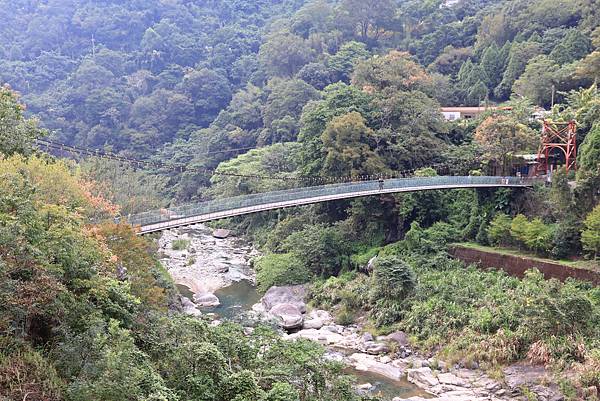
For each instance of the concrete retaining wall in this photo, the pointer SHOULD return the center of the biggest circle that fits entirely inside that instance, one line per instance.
(517, 265)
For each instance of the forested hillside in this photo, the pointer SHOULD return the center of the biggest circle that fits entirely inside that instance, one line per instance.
(136, 75)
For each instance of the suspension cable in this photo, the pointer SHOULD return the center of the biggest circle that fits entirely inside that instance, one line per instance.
(181, 167)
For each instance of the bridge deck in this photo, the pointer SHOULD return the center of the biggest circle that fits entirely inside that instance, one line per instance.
(222, 208)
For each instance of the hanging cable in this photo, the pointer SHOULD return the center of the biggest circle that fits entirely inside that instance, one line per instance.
(181, 167)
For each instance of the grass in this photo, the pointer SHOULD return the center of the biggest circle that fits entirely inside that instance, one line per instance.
(180, 244)
(578, 264)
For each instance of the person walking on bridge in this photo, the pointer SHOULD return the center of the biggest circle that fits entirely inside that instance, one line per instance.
(381, 184)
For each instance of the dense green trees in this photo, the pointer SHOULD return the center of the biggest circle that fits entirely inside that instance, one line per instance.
(346, 143)
(84, 313)
(589, 159)
(16, 132)
(502, 137)
(134, 77)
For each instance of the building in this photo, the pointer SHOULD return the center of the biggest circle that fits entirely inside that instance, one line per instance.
(459, 113)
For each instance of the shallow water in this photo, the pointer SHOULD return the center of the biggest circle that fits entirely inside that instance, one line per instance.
(235, 299)
(385, 388)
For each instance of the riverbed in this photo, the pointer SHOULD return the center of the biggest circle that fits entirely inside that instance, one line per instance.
(222, 267)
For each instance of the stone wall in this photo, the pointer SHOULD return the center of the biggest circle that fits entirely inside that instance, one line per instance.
(517, 265)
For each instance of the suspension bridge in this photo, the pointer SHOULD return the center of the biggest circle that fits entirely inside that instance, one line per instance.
(305, 193)
(185, 215)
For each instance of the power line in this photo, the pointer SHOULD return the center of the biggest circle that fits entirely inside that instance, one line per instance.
(181, 167)
(75, 150)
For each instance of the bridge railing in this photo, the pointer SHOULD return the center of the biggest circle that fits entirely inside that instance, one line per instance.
(238, 202)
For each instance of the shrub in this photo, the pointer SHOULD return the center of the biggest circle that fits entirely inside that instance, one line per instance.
(348, 289)
(387, 312)
(282, 392)
(441, 233)
(499, 230)
(538, 236)
(361, 260)
(535, 235)
(590, 236)
(518, 228)
(566, 240)
(345, 316)
(180, 244)
(321, 248)
(392, 278)
(280, 269)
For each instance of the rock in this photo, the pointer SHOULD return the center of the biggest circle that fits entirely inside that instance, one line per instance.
(206, 300)
(221, 233)
(289, 295)
(443, 366)
(367, 337)
(332, 328)
(322, 315)
(422, 377)
(288, 316)
(365, 386)
(451, 379)
(321, 336)
(189, 308)
(535, 378)
(385, 359)
(121, 272)
(368, 363)
(312, 324)
(420, 363)
(374, 348)
(524, 375)
(398, 337)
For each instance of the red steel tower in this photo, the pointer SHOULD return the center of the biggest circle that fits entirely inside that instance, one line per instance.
(563, 136)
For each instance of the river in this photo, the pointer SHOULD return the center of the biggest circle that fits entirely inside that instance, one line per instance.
(240, 296)
(217, 273)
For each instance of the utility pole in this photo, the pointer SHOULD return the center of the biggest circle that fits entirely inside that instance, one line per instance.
(553, 89)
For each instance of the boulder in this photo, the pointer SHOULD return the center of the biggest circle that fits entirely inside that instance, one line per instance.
(365, 386)
(368, 363)
(422, 377)
(332, 328)
(367, 337)
(373, 348)
(285, 295)
(449, 378)
(189, 308)
(519, 375)
(385, 359)
(398, 337)
(312, 324)
(316, 319)
(320, 336)
(206, 300)
(221, 233)
(288, 316)
(322, 315)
